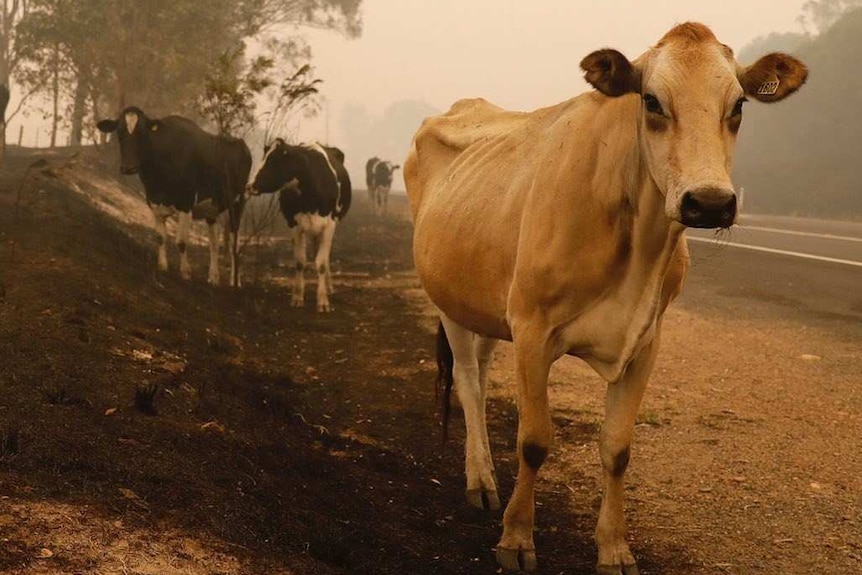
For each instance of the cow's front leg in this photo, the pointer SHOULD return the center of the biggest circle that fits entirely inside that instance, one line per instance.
(621, 408)
(299, 238)
(533, 358)
(183, 227)
(321, 263)
(213, 277)
(160, 216)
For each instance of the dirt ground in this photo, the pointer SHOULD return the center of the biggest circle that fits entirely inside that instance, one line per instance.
(283, 441)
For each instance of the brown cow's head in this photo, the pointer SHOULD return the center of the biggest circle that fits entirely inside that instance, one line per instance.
(133, 129)
(692, 92)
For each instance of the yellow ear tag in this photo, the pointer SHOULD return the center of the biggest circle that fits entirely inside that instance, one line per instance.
(768, 88)
(154, 128)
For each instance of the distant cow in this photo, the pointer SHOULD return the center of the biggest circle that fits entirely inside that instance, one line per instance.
(314, 194)
(185, 171)
(562, 230)
(378, 177)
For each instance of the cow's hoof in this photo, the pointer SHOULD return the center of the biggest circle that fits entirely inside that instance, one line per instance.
(483, 499)
(296, 302)
(213, 280)
(324, 308)
(617, 570)
(516, 559)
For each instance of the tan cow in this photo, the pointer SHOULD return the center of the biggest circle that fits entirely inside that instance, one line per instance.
(562, 231)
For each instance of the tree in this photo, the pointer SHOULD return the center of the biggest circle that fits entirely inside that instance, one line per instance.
(101, 55)
(822, 14)
(228, 100)
(774, 42)
(13, 11)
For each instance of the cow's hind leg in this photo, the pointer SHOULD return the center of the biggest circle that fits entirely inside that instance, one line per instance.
(160, 216)
(621, 408)
(299, 240)
(321, 262)
(230, 247)
(183, 227)
(471, 355)
(213, 226)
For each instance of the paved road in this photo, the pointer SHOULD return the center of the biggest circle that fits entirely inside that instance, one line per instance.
(809, 267)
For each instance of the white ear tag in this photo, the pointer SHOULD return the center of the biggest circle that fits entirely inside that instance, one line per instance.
(154, 128)
(768, 88)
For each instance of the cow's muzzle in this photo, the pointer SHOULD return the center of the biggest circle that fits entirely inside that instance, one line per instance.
(128, 170)
(708, 208)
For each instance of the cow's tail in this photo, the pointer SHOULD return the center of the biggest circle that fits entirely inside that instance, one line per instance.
(445, 378)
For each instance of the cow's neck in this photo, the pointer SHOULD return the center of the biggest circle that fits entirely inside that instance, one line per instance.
(610, 332)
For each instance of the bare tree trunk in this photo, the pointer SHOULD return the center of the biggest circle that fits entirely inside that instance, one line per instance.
(79, 110)
(55, 87)
(4, 101)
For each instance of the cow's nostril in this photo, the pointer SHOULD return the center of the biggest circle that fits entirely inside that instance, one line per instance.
(690, 207)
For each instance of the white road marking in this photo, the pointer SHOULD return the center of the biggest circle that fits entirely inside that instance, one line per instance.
(798, 233)
(718, 242)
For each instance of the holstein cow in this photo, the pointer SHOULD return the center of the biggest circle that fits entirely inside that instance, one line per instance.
(314, 194)
(562, 230)
(185, 171)
(378, 176)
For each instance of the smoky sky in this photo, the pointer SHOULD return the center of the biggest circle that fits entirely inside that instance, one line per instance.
(520, 55)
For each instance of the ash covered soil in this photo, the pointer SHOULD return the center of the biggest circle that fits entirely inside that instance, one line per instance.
(155, 426)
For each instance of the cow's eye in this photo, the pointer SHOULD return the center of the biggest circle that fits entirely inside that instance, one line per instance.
(652, 104)
(737, 108)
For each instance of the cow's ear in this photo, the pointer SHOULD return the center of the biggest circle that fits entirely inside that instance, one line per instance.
(611, 73)
(773, 77)
(107, 126)
(154, 125)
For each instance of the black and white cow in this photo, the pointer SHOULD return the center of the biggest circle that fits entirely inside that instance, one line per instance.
(378, 177)
(314, 194)
(185, 171)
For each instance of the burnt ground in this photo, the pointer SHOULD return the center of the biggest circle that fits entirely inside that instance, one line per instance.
(151, 425)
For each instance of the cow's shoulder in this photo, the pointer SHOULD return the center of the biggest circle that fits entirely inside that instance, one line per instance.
(335, 154)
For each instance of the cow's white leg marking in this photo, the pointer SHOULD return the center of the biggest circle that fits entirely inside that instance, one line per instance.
(385, 201)
(377, 201)
(183, 227)
(214, 245)
(321, 262)
(621, 407)
(235, 277)
(533, 358)
(299, 238)
(470, 370)
(160, 216)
